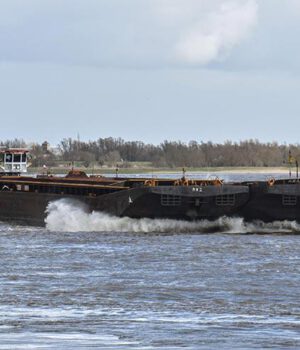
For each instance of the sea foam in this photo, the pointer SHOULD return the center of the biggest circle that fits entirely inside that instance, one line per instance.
(69, 216)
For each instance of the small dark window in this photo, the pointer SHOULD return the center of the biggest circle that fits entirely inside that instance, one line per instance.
(8, 158)
(24, 158)
(17, 158)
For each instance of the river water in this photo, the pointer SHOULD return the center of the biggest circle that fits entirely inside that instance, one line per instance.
(94, 281)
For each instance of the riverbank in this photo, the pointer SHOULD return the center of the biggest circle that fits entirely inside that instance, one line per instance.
(147, 170)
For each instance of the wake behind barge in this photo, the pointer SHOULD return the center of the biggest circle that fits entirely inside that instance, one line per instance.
(24, 199)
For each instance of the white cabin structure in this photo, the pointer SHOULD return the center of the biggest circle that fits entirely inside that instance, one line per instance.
(13, 160)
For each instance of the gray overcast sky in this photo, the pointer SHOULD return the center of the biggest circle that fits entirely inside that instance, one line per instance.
(150, 69)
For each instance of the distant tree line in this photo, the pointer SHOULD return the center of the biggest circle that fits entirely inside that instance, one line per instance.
(113, 151)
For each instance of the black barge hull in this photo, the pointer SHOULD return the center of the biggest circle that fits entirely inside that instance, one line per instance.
(172, 202)
(276, 202)
(25, 199)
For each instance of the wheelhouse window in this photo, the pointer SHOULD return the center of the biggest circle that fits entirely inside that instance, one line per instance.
(8, 158)
(17, 158)
(23, 158)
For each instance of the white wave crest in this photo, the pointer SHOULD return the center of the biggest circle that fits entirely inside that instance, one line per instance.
(69, 216)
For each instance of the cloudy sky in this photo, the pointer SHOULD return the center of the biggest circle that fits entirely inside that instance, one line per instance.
(150, 70)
